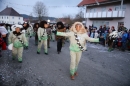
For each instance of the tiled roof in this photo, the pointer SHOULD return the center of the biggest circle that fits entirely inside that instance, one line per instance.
(88, 2)
(10, 12)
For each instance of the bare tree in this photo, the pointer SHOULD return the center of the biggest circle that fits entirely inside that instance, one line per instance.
(40, 10)
(79, 16)
(30, 17)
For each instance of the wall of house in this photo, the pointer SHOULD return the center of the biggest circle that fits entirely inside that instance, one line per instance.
(11, 19)
(114, 21)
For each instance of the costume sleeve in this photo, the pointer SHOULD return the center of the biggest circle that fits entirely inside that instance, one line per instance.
(10, 38)
(31, 31)
(67, 34)
(38, 33)
(24, 40)
(91, 39)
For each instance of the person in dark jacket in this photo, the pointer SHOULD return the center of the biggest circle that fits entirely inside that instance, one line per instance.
(35, 28)
(124, 40)
(60, 28)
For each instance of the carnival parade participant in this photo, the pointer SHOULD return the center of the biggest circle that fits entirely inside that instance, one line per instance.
(49, 36)
(77, 37)
(28, 32)
(3, 36)
(35, 29)
(18, 40)
(60, 28)
(53, 33)
(42, 37)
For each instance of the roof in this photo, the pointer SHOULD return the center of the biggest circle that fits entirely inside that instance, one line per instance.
(89, 2)
(10, 12)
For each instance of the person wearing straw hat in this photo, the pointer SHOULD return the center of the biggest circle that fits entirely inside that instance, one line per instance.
(77, 37)
(18, 40)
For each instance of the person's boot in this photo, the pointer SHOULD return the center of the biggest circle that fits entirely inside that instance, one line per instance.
(38, 52)
(76, 74)
(46, 53)
(20, 60)
(13, 58)
(58, 52)
(72, 77)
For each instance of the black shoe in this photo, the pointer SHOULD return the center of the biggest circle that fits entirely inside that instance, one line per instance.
(58, 52)
(46, 53)
(0, 55)
(48, 47)
(13, 58)
(38, 52)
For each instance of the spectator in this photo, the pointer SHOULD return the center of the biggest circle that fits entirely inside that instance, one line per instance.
(129, 40)
(110, 41)
(121, 28)
(124, 40)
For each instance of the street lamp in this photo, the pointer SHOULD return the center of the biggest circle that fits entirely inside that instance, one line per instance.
(48, 21)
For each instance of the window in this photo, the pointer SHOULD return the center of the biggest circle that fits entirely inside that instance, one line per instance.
(92, 10)
(19, 23)
(103, 9)
(7, 17)
(19, 18)
(2, 17)
(12, 17)
(100, 23)
(117, 8)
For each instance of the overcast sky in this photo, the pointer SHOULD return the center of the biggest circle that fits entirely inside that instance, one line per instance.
(52, 11)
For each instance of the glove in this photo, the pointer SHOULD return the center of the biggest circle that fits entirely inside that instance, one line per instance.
(30, 36)
(39, 40)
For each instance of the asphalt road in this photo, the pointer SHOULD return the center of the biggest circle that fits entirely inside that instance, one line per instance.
(97, 67)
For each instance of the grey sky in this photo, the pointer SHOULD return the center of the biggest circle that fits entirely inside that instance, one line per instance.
(52, 11)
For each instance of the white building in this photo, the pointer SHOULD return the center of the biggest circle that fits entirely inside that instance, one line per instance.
(107, 12)
(10, 16)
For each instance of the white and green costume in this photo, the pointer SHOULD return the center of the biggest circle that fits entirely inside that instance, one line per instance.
(77, 41)
(19, 41)
(53, 33)
(42, 37)
(28, 34)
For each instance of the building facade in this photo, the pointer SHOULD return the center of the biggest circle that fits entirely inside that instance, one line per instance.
(107, 12)
(10, 16)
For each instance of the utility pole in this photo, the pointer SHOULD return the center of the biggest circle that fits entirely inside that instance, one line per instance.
(122, 5)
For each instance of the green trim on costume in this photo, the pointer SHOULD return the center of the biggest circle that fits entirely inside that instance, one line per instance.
(9, 42)
(13, 56)
(38, 50)
(26, 44)
(39, 38)
(20, 59)
(96, 40)
(72, 71)
(44, 38)
(46, 51)
(76, 69)
(59, 33)
(74, 47)
(17, 44)
(27, 34)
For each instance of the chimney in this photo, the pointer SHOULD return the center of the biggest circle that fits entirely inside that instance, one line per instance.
(7, 6)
